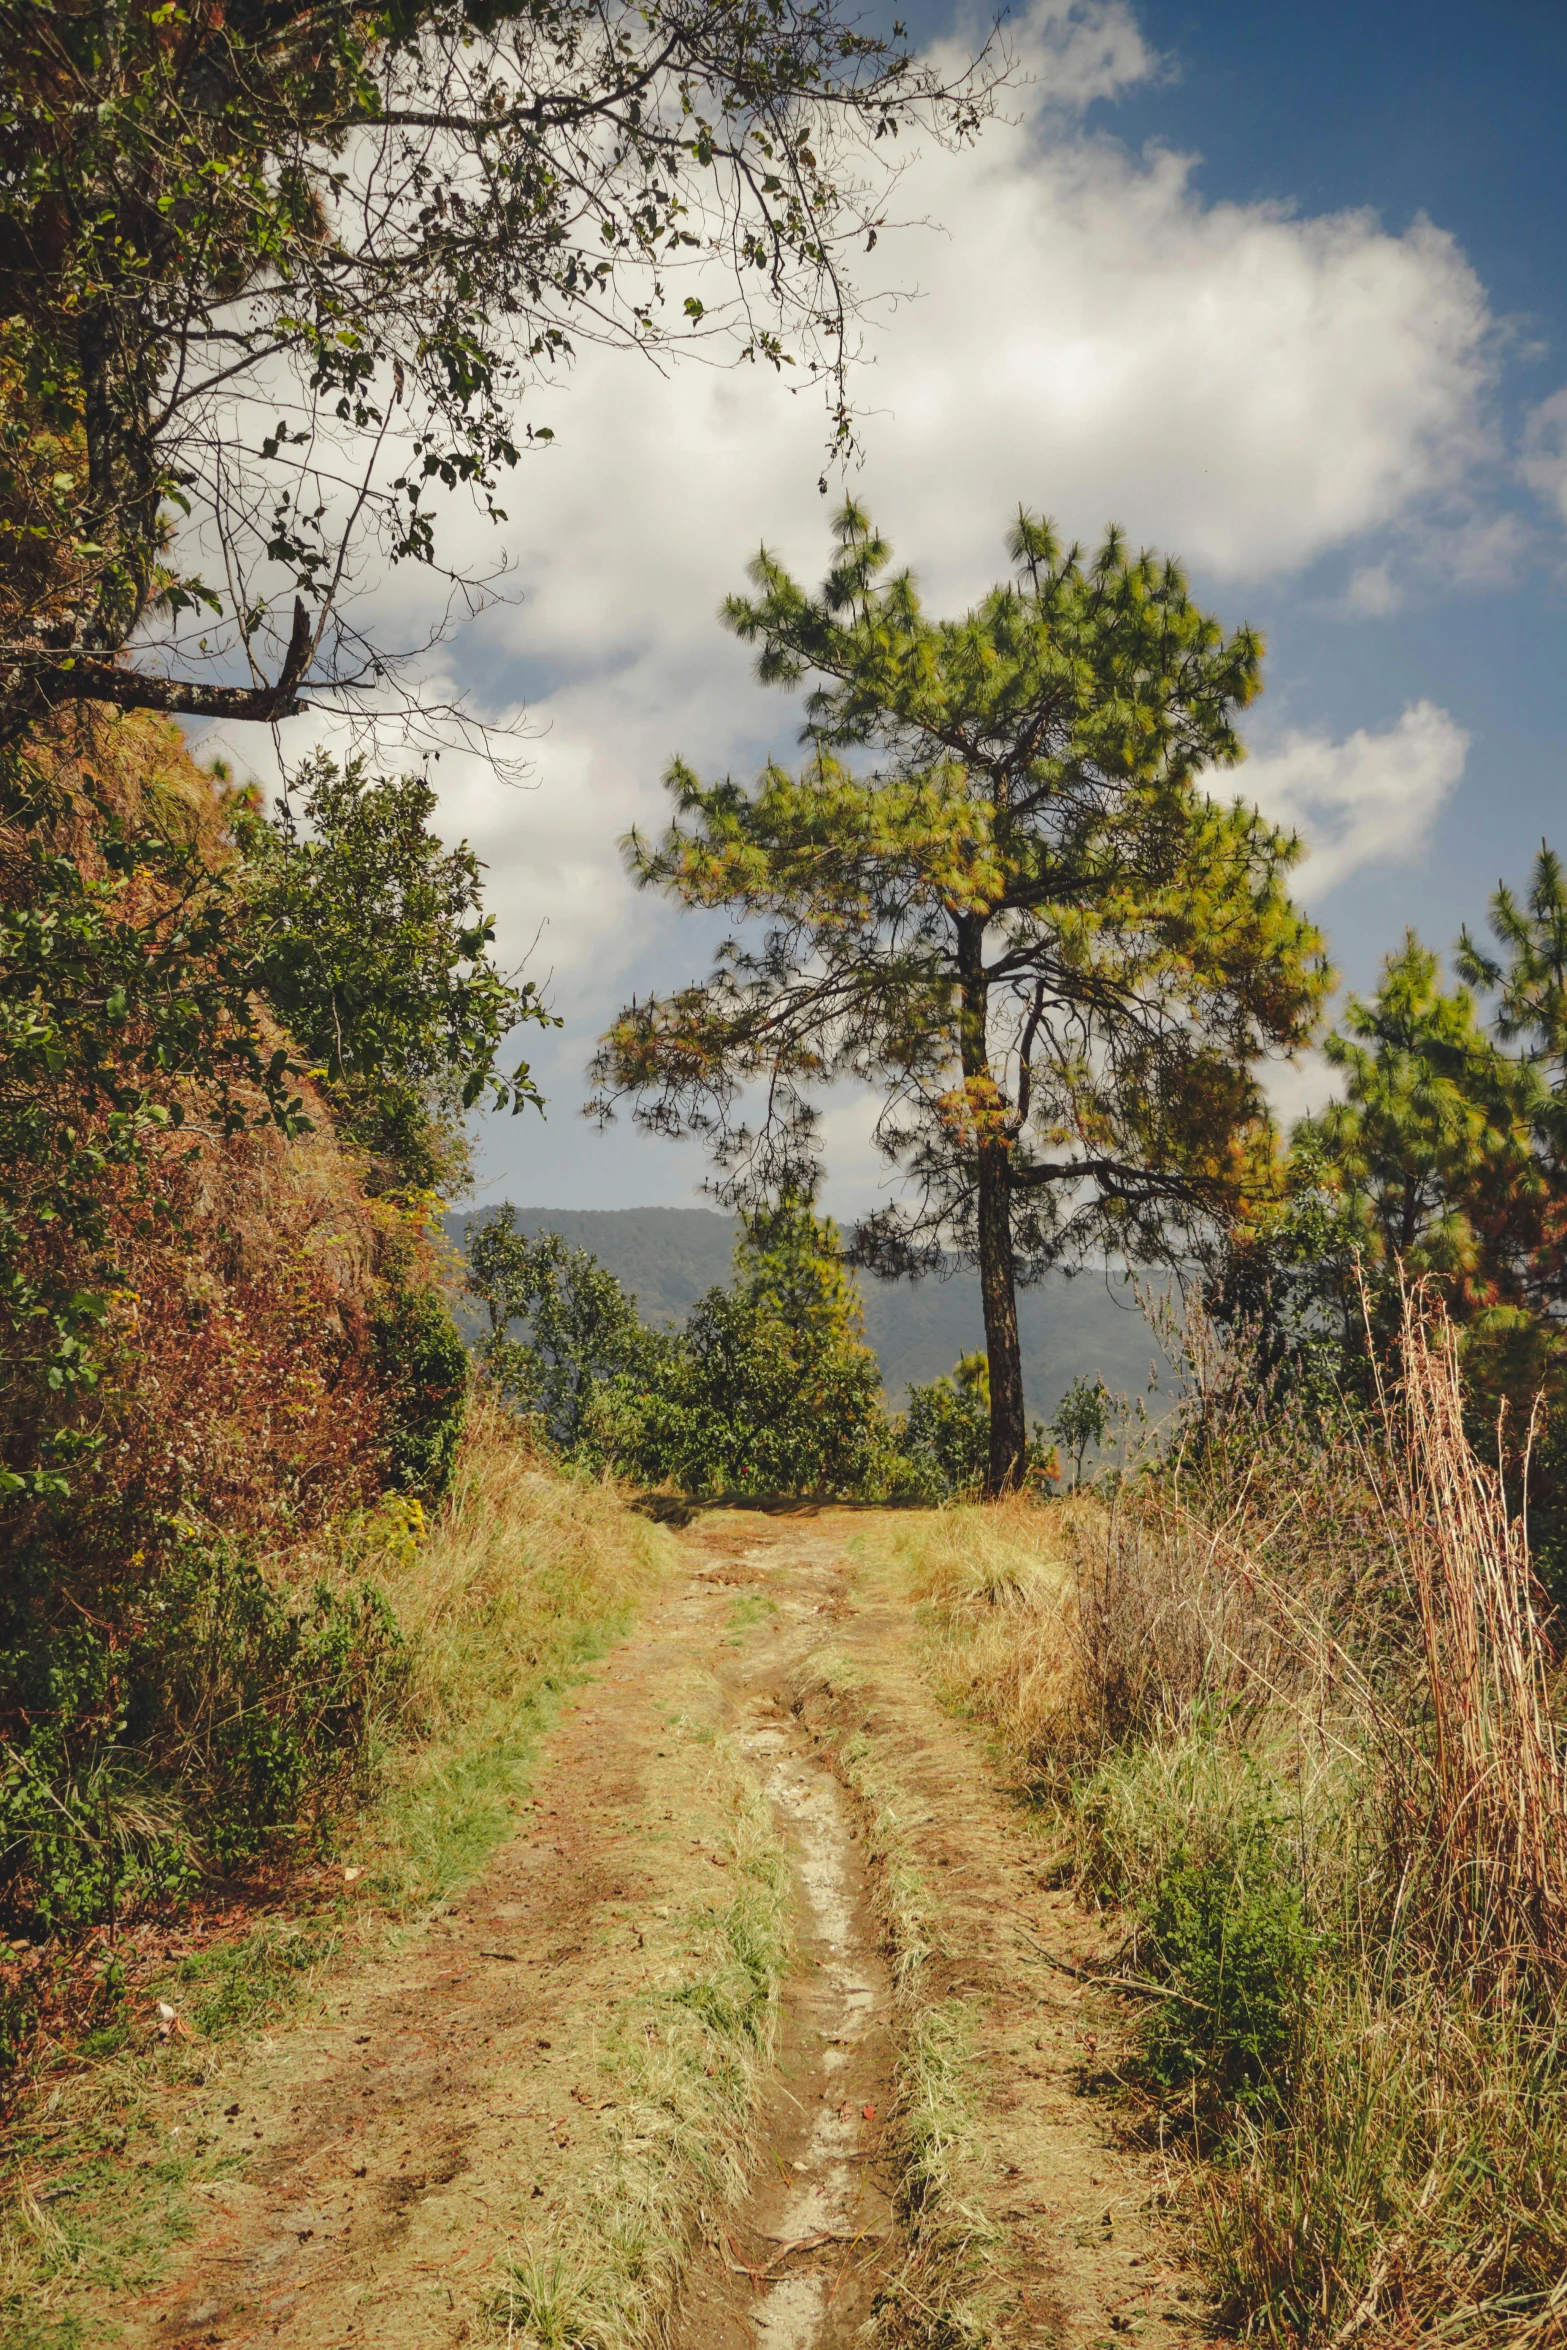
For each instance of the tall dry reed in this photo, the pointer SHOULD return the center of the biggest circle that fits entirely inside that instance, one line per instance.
(1476, 1804)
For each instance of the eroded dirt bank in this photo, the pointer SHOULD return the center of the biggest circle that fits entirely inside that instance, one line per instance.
(443, 2150)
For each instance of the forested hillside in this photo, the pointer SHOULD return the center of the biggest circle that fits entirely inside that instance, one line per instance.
(1090, 1326)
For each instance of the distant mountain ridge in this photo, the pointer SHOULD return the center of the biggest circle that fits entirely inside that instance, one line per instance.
(668, 1257)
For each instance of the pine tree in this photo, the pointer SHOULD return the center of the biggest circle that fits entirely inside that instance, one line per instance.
(789, 1264)
(1433, 1125)
(1526, 1222)
(997, 892)
(1533, 980)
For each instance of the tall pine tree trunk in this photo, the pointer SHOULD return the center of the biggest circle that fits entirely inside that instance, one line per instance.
(997, 1283)
(998, 1294)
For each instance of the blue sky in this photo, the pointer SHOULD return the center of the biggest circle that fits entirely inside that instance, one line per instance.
(1283, 290)
(1457, 113)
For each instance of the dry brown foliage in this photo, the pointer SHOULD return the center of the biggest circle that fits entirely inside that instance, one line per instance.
(237, 1380)
(240, 1387)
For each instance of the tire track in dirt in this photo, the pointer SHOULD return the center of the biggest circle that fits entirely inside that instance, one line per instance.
(1081, 2251)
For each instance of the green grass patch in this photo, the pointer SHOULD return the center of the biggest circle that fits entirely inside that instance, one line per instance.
(747, 1611)
(450, 1806)
(239, 1986)
(96, 2221)
(527, 1578)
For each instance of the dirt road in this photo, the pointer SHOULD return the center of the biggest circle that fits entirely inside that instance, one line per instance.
(570, 2107)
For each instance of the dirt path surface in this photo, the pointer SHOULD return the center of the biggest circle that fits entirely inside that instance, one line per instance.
(799, 2264)
(1077, 2251)
(445, 2116)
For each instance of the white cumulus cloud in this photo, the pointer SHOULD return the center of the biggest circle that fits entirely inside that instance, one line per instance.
(1070, 52)
(1090, 337)
(1544, 465)
(1369, 799)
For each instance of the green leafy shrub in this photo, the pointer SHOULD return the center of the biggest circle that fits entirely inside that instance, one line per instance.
(944, 1445)
(423, 1368)
(946, 1430)
(581, 1332)
(768, 1389)
(1083, 1417)
(85, 1833)
(267, 1710)
(219, 1720)
(745, 1403)
(1225, 1930)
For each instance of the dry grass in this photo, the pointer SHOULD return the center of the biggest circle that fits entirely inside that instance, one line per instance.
(996, 1583)
(1477, 1800)
(685, 2067)
(1077, 1627)
(523, 1578)
(1363, 1713)
(1414, 2189)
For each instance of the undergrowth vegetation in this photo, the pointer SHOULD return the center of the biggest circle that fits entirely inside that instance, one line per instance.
(226, 1359)
(1287, 1697)
(391, 1699)
(499, 1595)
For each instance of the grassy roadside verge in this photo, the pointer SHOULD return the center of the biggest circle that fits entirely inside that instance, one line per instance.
(517, 1583)
(1300, 1749)
(526, 1577)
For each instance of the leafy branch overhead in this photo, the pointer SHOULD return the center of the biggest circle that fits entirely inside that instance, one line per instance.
(276, 278)
(999, 892)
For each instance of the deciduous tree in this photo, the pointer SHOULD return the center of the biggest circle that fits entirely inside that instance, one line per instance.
(288, 269)
(369, 938)
(561, 1327)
